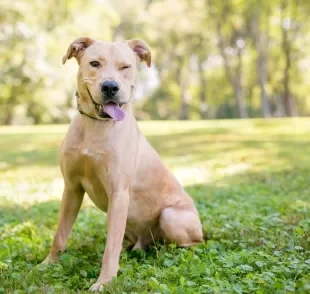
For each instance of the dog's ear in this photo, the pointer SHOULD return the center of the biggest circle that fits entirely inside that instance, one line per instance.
(142, 50)
(77, 47)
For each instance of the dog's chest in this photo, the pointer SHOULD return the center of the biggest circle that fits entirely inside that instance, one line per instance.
(82, 165)
(98, 163)
(93, 178)
(96, 193)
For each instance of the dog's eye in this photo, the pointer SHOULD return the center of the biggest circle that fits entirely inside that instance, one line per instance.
(95, 64)
(125, 67)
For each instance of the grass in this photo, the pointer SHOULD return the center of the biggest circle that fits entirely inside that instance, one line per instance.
(250, 180)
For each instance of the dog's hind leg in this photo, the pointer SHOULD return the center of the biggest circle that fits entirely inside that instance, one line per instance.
(69, 208)
(180, 226)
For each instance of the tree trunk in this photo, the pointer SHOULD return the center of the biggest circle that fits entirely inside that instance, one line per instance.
(182, 80)
(286, 47)
(8, 120)
(9, 115)
(287, 99)
(235, 79)
(118, 32)
(185, 105)
(261, 43)
(185, 97)
(262, 80)
(239, 93)
(203, 90)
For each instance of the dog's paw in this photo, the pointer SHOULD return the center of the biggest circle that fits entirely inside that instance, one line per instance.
(49, 260)
(97, 287)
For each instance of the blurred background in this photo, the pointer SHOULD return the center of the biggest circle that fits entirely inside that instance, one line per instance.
(211, 58)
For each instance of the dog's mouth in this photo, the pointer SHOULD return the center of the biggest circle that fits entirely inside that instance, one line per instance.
(110, 110)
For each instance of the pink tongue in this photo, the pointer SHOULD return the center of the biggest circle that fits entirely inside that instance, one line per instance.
(114, 111)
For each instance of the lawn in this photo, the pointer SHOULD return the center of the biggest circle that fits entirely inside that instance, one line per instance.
(250, 181)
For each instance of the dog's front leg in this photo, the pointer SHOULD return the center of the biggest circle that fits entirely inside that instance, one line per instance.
(70, 205)
(116, 225)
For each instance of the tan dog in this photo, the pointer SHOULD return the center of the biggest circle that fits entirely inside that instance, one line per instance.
(105, 155)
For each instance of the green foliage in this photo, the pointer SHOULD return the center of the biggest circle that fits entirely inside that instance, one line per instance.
(250, 182)
(221, 56)
(33, 86)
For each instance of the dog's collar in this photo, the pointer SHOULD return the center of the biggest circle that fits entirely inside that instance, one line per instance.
(82, 112)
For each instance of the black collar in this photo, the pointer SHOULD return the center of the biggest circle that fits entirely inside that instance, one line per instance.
(106, 117)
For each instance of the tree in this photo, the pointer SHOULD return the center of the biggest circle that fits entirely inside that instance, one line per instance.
(211, 58)
(231, 43)
(259, 17)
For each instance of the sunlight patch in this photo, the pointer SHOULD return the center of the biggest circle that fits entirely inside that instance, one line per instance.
(27, 193)
(236, 169)
(3, 165)
(192, 175)
(303, 204)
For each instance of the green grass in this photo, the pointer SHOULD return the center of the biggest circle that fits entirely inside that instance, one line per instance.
(250, 180)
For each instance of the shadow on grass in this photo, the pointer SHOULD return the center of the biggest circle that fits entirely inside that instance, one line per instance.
(255, 215)
(19, 150)
(205, 145)
(32, 228)
(257, 208)
(272, 199)
(44, 213)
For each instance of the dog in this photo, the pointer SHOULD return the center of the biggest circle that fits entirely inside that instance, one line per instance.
(105, 155)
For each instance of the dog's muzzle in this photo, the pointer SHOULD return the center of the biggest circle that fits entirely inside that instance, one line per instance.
(109, 110)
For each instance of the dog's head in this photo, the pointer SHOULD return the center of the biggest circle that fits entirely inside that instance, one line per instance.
(108, 74)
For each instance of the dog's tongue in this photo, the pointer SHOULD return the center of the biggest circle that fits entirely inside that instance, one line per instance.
(114, 111)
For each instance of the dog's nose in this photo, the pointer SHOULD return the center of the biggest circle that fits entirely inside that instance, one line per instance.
(110, 88)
